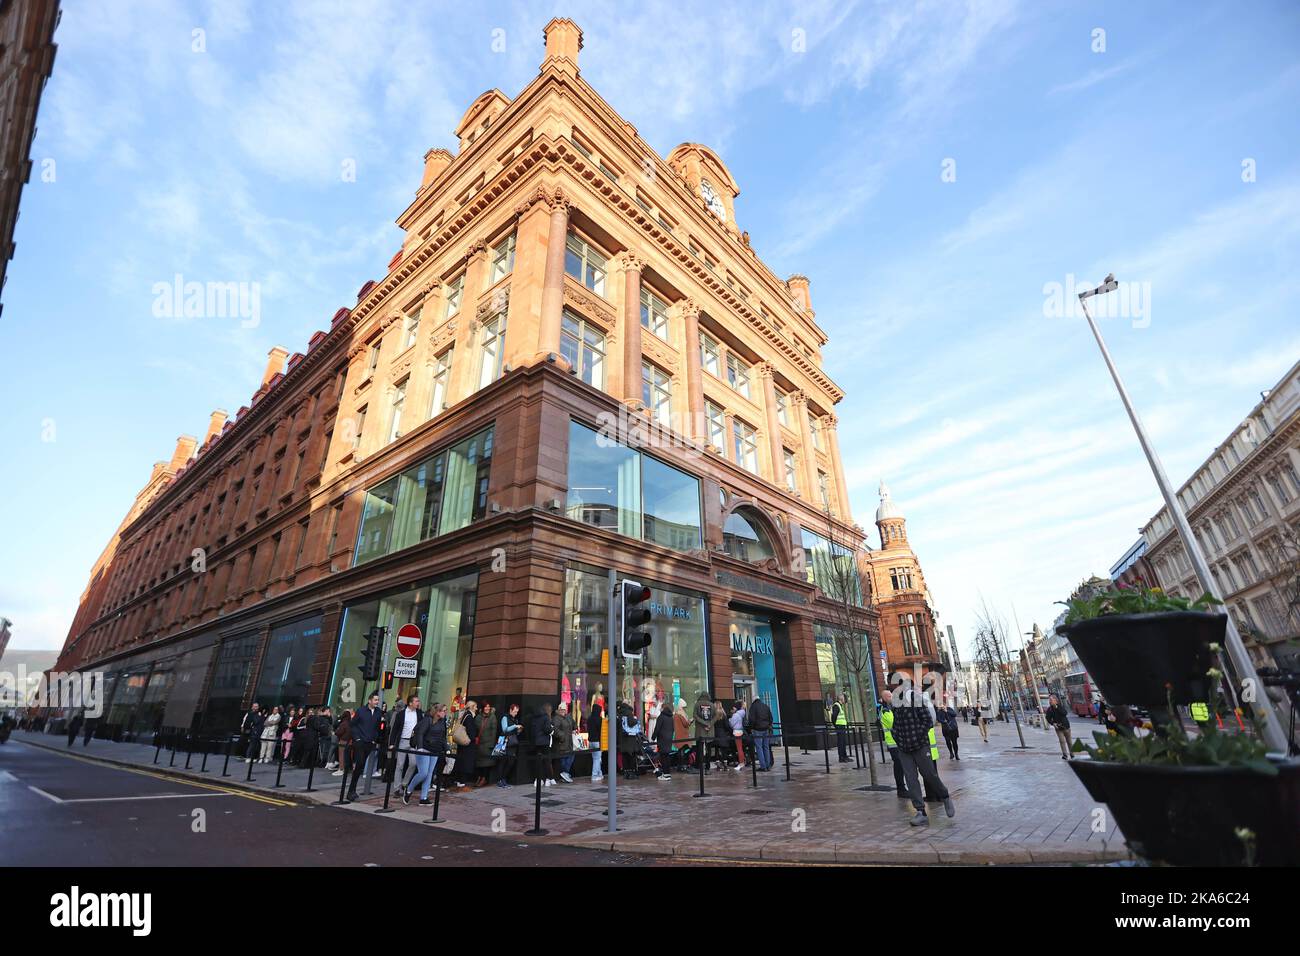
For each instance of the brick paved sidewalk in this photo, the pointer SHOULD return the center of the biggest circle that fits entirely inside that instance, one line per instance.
(1013, 806)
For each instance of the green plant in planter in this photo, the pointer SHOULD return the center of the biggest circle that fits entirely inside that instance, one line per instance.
(1173, 747)
(1132, 601)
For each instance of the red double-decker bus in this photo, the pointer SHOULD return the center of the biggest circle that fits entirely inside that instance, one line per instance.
(1079, 691)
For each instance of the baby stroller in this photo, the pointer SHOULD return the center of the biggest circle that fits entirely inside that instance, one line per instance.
(648, 759)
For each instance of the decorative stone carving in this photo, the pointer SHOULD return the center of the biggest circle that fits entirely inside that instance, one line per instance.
(497, 302)
(590, 304)
(629, 261)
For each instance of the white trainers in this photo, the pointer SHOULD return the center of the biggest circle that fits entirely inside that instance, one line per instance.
(600, 779)
(739, 767)
(377, 774)
(337, 773)
(551, 782)
(566, 778)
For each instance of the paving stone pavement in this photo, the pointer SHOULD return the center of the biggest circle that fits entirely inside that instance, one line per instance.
(1013, 806)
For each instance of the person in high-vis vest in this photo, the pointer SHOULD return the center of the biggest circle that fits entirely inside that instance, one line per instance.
(840, 719)
(913, 732)
(887, 726)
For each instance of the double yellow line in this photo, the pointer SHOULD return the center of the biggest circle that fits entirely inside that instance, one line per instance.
(246, 794)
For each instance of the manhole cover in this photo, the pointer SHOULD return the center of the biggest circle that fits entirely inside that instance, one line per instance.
(552, 803)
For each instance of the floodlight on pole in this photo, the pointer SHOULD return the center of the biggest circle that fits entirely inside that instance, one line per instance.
(1274, 736)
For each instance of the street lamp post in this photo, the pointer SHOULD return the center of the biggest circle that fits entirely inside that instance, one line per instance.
(1274, 736)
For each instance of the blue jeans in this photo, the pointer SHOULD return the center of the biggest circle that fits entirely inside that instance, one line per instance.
(423, 774)
(566, 763)
(763, 748)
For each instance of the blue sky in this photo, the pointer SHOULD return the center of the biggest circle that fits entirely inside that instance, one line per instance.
(994, 423)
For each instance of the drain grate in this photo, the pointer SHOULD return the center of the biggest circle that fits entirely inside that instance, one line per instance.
(552, 803)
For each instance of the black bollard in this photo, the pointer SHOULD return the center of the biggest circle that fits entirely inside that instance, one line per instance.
(704, 763)
(343, 783)
(189, 750)
(310, 773)
(225, 766)
(857, 749)
(826, 746)
(753, 759)
(279, 764)
(537, 805)
(204, 767)
(785, 745)
(251, 761)
(437, 790)
(158, 749)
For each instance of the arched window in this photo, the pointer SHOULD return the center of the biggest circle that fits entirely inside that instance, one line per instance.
(743, 536)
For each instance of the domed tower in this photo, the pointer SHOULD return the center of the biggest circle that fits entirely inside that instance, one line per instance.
(890, 521)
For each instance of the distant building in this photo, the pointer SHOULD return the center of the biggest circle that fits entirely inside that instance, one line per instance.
(1243, 504)
(26, 60)
(5, 630)
(1134, 570)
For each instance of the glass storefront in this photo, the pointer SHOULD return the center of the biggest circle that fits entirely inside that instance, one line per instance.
(837, 675)
(183, 699)
(130, 691)
(674, 667)
(753, 660)
(442, 610)
(616, 487)
(441, 494)
(832, 567)
(286, 668)
(229, 681)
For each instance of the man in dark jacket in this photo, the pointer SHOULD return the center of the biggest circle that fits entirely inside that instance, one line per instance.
(467, 754)
(402, 724)
(913, 732)
(251, 726)
(365, 733)
(1059, 720)
(540, 731)
(760, 725)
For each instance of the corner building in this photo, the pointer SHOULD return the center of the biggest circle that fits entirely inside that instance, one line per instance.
(575, 364)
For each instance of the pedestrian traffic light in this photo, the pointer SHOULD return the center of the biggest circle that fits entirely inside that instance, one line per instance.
(372, 653)
(388, 680)
(632, 616)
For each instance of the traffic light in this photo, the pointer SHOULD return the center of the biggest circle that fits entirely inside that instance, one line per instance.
(372, 653)
(632, 616)
(388, 680)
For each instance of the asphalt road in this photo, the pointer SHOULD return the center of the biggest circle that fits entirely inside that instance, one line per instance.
(63, 810)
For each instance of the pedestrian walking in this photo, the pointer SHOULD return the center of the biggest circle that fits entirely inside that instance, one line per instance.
(913, 731)
(88, 731)
(984, 716)
(629, 740)
(429, 744)
(510, 729)
(840, 721)
(887, 728)
(562, 741)
(948, 723)
(1059, 719)
(401, 728)
(364, 729)
(760, 726)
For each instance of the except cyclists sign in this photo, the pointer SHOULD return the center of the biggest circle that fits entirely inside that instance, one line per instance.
(409, 640)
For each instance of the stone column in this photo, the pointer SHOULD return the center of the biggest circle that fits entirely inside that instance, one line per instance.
(690, 313)
(829, 425)
(775, 447)
(548, 338)
(631, 330)
(799, 402)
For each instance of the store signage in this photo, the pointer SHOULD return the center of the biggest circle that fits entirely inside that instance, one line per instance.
(765, 588)
(751, 643)
(406, 668)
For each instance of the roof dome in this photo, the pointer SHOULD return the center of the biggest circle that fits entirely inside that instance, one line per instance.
(887, 507)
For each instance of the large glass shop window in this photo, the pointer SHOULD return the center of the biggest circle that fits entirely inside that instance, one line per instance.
(832, 567)
(616, 487)
(235, 660)
(674, 667)
(836, 674)
(444, 613)
(286, 667)
(441, 494)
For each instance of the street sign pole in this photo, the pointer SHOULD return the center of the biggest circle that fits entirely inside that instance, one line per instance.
(611, 695)
(1274, 736)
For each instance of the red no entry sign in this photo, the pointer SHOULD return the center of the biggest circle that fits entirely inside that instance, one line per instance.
(409, 639)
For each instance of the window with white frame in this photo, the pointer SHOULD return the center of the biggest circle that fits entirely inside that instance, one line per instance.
(746, 445)
(503, 259)
(583, 347)
(782, 408)
(657, 393)
(717, 425)
(395, 414)
(492, 350)
(791, 476)
(710, 355)
(441, 376)
(455, 292)
(372, 360)
(907, 625)
(411, 329)
(738, 374)
(824, 489)
(654, 313)
(584, 263)
(900, 579)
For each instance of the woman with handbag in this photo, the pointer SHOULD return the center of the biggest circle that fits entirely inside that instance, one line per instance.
(562, 737)
(465, 736)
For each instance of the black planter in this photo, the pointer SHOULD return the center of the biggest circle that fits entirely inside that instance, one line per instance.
(1186, 816)
(1132, 657)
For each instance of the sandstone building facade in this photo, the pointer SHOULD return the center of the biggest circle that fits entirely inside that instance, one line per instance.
(575, 364)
